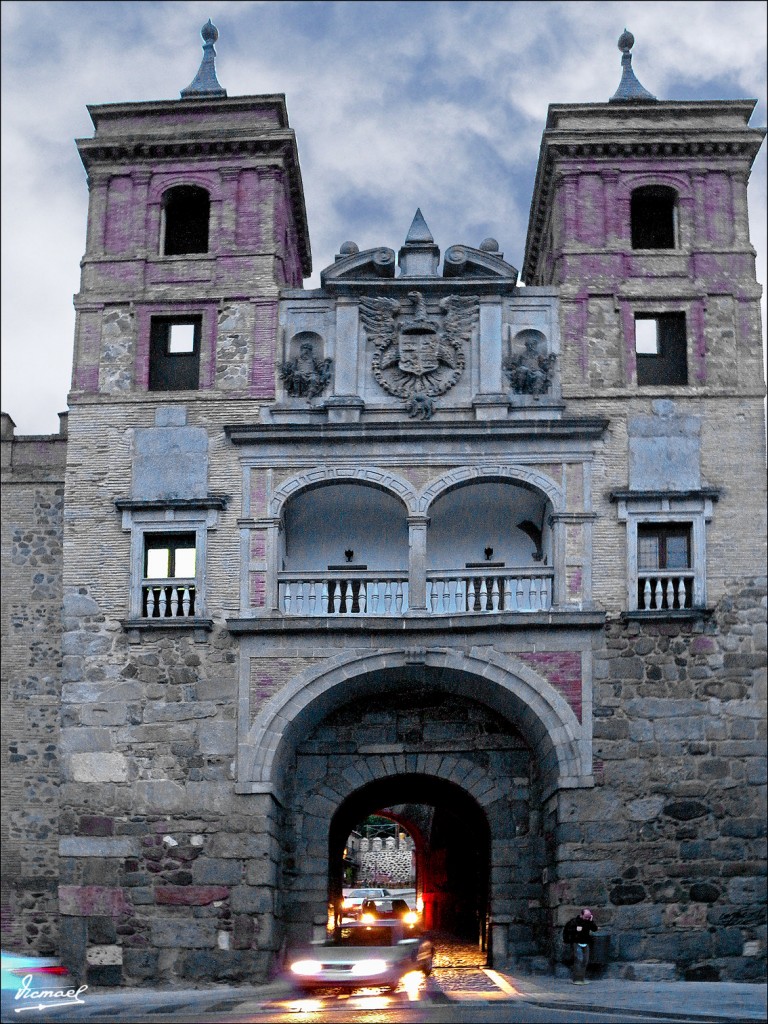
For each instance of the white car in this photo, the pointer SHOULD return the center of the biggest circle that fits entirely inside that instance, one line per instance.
(353, 900)
(362, 956)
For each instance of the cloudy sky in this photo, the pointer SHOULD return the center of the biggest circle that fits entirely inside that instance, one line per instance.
(395, 105)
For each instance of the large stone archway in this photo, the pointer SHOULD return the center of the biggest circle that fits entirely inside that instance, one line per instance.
(533, 745)
(562, 744)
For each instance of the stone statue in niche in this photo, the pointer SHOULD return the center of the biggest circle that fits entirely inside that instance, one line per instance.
(530, 372)
(306, 376)
(417, 356)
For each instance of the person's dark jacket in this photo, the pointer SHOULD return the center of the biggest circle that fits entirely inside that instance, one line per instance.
(579, 929)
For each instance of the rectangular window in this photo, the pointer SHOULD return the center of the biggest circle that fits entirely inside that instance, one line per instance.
(664, 570)
(174, 353)
(661, 348)
(169, 579)
(653, 212)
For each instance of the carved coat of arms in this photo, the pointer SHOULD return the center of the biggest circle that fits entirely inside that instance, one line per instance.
(417, 356)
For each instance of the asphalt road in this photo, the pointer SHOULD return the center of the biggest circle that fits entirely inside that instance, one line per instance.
(468, 997)
(460, 991)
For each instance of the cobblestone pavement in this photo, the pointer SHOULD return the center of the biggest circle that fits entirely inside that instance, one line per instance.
(451, 952)
(458, 970)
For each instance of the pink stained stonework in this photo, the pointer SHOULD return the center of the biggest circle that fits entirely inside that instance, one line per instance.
(563, 670)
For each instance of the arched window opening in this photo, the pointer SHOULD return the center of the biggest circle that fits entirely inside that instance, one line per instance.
(344, 552)
(654, 218)
(186, 213)
(489, 549)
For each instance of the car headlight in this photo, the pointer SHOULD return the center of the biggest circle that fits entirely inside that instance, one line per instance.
(411, 917)
(307, 967)
(370, 967)
(368, 918)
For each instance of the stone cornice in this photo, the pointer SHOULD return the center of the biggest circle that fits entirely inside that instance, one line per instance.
(217, 501)
(591, 428)
(700, 493)
(567, 618)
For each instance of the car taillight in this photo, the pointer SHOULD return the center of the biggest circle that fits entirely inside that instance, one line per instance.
(22, 972)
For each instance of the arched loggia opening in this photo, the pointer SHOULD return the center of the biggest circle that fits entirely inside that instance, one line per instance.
(453, 848)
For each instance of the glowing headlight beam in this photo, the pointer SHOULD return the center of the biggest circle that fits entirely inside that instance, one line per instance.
(367, 967)
(305, 967)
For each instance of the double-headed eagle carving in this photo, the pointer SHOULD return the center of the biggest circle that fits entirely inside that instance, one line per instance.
(418, 356)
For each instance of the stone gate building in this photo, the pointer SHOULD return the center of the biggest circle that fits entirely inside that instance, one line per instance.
(420, 537)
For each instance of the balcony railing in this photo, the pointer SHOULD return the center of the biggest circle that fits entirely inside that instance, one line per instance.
(332, 593)
(168, 599)
(508, 590)
(665, 591)
(386, 593)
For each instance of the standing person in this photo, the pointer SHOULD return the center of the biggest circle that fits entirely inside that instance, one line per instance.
(578, 933)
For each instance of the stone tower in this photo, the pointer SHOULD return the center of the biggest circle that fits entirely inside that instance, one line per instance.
(196, 221)
(639, 218)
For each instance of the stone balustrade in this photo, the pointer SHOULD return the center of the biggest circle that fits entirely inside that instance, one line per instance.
(334, 593)
(386, 593)
(168, 599)
(512, 590)
(665, 590)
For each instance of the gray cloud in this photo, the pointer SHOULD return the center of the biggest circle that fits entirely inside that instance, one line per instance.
(395, 105)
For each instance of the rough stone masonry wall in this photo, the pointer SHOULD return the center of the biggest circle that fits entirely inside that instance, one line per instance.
(670, 851)
(33, 490)
(164, 873)
(387, 864)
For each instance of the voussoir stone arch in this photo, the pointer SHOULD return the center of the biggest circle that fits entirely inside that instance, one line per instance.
(479, 474)
(461, 771)
(644, 179)
(561, 745)
(370, 476)
(160, 187)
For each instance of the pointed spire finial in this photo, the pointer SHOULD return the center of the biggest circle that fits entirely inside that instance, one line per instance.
(629, 87)
(418, 256)
(418, 231)
(205, 83)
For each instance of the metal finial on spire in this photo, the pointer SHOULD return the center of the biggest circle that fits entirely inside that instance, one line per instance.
(629, 87)
(205, 82)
